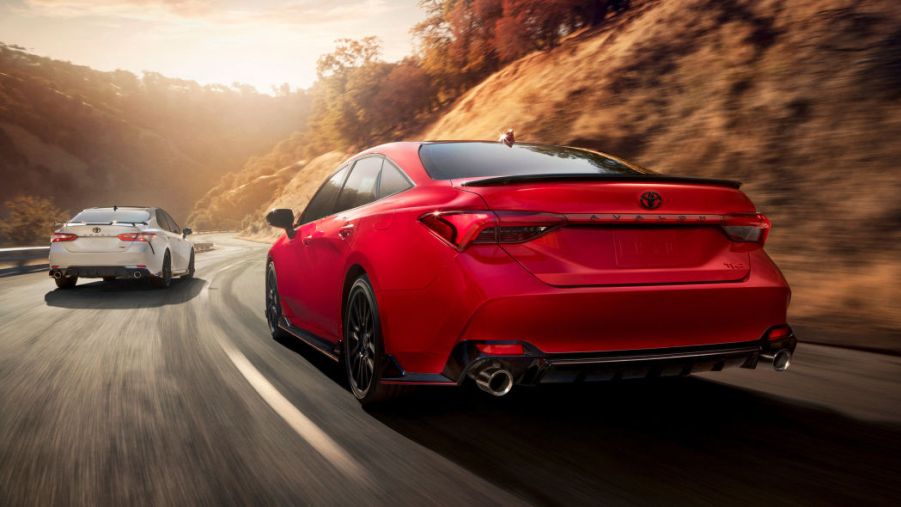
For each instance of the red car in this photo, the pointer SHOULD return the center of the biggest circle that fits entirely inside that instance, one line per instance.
(428, 263)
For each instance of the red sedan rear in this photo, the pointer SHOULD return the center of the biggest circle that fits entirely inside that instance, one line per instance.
(432, 263)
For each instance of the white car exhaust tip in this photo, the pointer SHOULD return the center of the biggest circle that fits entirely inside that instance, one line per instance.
(58, 275)
(137, 275)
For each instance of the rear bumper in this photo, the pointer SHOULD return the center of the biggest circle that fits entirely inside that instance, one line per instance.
(101, 271)
(536, 367)
(493, 299)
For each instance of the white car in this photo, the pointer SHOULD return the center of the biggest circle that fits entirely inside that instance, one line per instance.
(121, 242)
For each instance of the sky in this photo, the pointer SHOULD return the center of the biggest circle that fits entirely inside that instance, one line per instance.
(263, 43)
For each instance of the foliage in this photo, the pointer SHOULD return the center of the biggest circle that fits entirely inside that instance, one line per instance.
(462, 41)
(29, 220)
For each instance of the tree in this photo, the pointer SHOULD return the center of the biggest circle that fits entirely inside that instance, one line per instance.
(30, 220)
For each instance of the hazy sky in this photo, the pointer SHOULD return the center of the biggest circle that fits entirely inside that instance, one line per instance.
(260, 42)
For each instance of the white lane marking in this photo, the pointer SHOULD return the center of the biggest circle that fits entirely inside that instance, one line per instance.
(301, 424)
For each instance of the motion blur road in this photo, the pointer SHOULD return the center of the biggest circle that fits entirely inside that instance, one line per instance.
(122, 394)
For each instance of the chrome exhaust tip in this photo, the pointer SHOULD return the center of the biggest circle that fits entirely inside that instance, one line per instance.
(136, 275)
(494, 380)
(781, 360)
(58, 275)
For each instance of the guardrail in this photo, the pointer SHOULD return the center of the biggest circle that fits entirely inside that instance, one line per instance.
(21, 259)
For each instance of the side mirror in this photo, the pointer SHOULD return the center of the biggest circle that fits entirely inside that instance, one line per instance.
(186, 231)
(283, 219)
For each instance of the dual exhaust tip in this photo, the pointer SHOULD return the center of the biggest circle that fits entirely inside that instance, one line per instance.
(59, 275)
(494, 380)
(780, 359)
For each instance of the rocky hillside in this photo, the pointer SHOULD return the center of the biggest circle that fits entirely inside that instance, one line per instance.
(82, 137)
(799, 99)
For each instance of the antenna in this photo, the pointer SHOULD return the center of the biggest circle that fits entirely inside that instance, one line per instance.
(115, 208)
(507, 138)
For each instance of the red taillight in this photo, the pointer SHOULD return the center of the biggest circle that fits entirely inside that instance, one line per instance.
(777, 333)
(59, 237)
(500, 349)
(464, 228)
(136, 236)
(750, 228)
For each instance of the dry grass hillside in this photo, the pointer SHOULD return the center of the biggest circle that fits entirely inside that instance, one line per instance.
(294, 194)
(799, 99)
(83, 137)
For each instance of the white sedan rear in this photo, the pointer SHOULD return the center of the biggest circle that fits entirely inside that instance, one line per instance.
(121, 242)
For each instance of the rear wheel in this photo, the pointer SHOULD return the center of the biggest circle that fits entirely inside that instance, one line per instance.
(190, 272)
(165, 278)
(364, 354)
(273, 304)
(66, 282)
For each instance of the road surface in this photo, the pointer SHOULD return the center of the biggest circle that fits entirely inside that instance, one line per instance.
(115, 394)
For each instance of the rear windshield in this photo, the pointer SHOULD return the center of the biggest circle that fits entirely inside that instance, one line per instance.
(108, 216)
(445, 161)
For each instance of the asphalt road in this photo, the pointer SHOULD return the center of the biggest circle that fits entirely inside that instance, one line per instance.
(116, 394)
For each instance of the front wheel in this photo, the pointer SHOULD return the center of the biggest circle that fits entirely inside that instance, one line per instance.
(190, 272)
(364, 353)
(273, 305)
(165, 278)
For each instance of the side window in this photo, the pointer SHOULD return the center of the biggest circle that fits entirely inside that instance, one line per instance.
(360, 186)
(162, 221)
(392, 180)
(323, 202)
(175, 228)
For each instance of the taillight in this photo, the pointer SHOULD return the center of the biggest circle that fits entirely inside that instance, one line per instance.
(464, 228)
(136, 236)
(778, 333)
(500, 349)
(750, 228)
(59, 237)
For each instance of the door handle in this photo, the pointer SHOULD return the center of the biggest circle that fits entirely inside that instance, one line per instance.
(346, 231)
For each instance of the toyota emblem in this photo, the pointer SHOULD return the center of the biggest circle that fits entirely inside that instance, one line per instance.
(96, 230)
(651, 200)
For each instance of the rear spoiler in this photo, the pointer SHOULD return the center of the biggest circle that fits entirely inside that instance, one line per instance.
(637, 178)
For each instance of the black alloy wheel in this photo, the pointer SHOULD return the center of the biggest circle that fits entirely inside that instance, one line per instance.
(165, 279)
(273, 305)
(364, 356)
(190, 272)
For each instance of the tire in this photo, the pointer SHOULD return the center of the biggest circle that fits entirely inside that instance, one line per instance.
(190, 273)
(66, 282)
(364, 353)
(165, 279)
(273, 305)
(108, 278)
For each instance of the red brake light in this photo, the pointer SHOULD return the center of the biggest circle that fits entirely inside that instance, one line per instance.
(749, 228)
(778, 333)
(500, 349)
(59, 237)
(463, 228)
(136, 236)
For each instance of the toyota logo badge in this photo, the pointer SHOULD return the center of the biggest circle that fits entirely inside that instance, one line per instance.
(651, 200)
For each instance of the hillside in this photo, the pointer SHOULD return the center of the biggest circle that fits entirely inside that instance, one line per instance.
(800, 100)
(83, 137)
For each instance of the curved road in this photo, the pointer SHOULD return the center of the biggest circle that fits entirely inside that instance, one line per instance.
(121, 394)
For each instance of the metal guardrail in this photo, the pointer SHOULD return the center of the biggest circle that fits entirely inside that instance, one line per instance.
(21, 259)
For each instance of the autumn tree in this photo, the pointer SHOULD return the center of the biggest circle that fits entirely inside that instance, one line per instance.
(29, 220)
